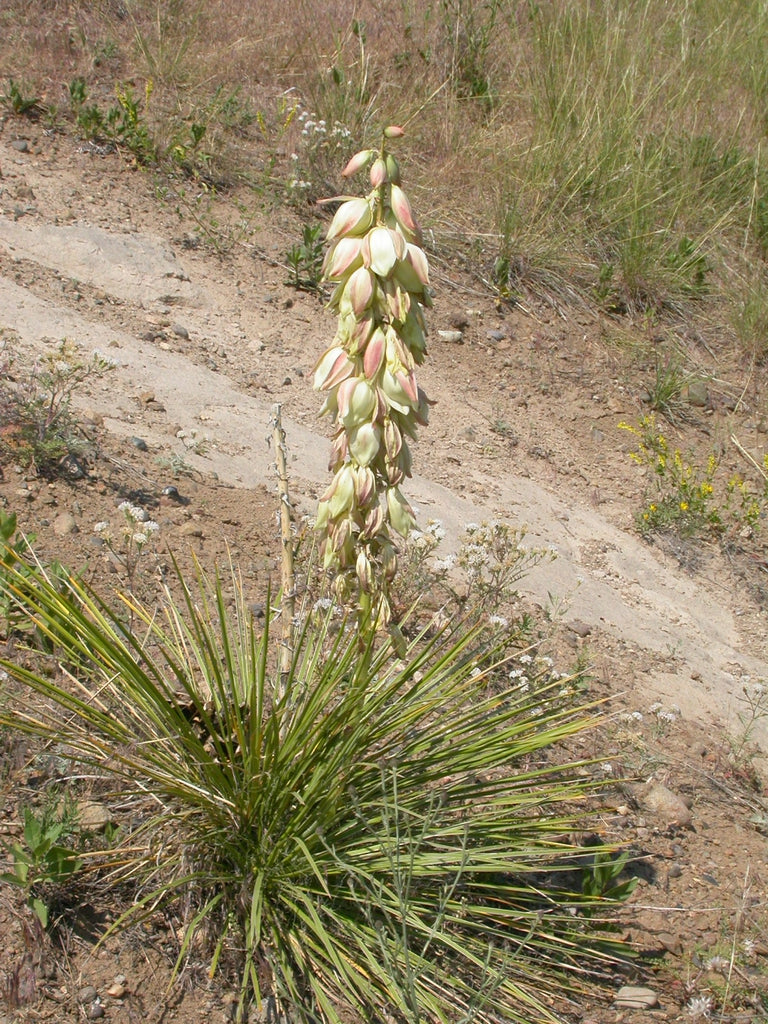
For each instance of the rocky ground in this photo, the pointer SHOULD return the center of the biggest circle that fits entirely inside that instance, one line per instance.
(202, 344)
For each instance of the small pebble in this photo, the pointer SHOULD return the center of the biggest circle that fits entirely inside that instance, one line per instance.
(452, 337)
(140, 444)
(86, 994)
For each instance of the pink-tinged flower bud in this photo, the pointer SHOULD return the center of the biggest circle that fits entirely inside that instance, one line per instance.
(341, 534)
(374, 521)
(393, 169)
(358, 160)
(325, 364)
(378, 173)
(400, 512)
(374, 354)
(388, 558)
(334, 367)
(341, 493)
(398, 301)
(360, 290)
(343, 395)
(364, 443)
(394, 131)
(352, 218)
(393, 439)
(365, 485)
(394, 393)
(339, 451)
(361, 333)
(395, 474)
(402, 210)
(408, 384)
(364, 572)
(341, 258)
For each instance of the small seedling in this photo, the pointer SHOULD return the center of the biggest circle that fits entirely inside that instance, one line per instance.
(16, 100)
(42, 862)
(306, 260)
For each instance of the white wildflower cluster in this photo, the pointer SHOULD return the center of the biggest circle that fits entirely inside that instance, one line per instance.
(533, 671)
(494, 559)
(318, 142)
(138, 526)
(720, 964)
(699, 1008)
(755, 693)
(631, 717)
(665, 716)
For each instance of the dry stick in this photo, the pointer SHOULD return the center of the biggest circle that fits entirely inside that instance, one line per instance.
(288, 598)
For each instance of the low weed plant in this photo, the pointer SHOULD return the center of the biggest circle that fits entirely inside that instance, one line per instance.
(38, 425)
(693, 500)
(44, 863)
(305, 259)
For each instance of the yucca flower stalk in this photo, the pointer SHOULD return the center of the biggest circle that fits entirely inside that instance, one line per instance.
(381, 278)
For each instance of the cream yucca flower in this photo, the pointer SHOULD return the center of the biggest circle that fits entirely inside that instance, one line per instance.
(381, 278)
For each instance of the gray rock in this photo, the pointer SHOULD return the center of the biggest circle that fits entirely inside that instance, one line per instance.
(20, 145)
(697, 394)
(64, 525)
(86, 994)
(180, 331)
(633, 997)
(93, 816)
(664, 804)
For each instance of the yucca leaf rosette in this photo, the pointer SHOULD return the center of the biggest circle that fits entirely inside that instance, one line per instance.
(380, 275)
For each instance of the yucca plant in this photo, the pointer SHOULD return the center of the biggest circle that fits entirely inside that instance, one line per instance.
(379, 836)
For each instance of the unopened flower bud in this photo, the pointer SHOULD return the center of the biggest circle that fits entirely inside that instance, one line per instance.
(378, 173)
(394, 131)
(358, 160)
(364, 572)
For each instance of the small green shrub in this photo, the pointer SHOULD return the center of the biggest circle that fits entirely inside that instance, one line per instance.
(691, 500)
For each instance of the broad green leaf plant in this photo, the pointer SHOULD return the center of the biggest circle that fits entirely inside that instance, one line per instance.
(381, 287)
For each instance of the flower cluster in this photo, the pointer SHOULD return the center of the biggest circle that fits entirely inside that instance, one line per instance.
(317, 145)
(381, 285)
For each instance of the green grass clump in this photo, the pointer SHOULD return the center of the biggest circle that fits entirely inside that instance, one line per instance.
(368, 835)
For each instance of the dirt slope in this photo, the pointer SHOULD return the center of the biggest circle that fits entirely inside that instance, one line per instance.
(525, 428)
(218, 342)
